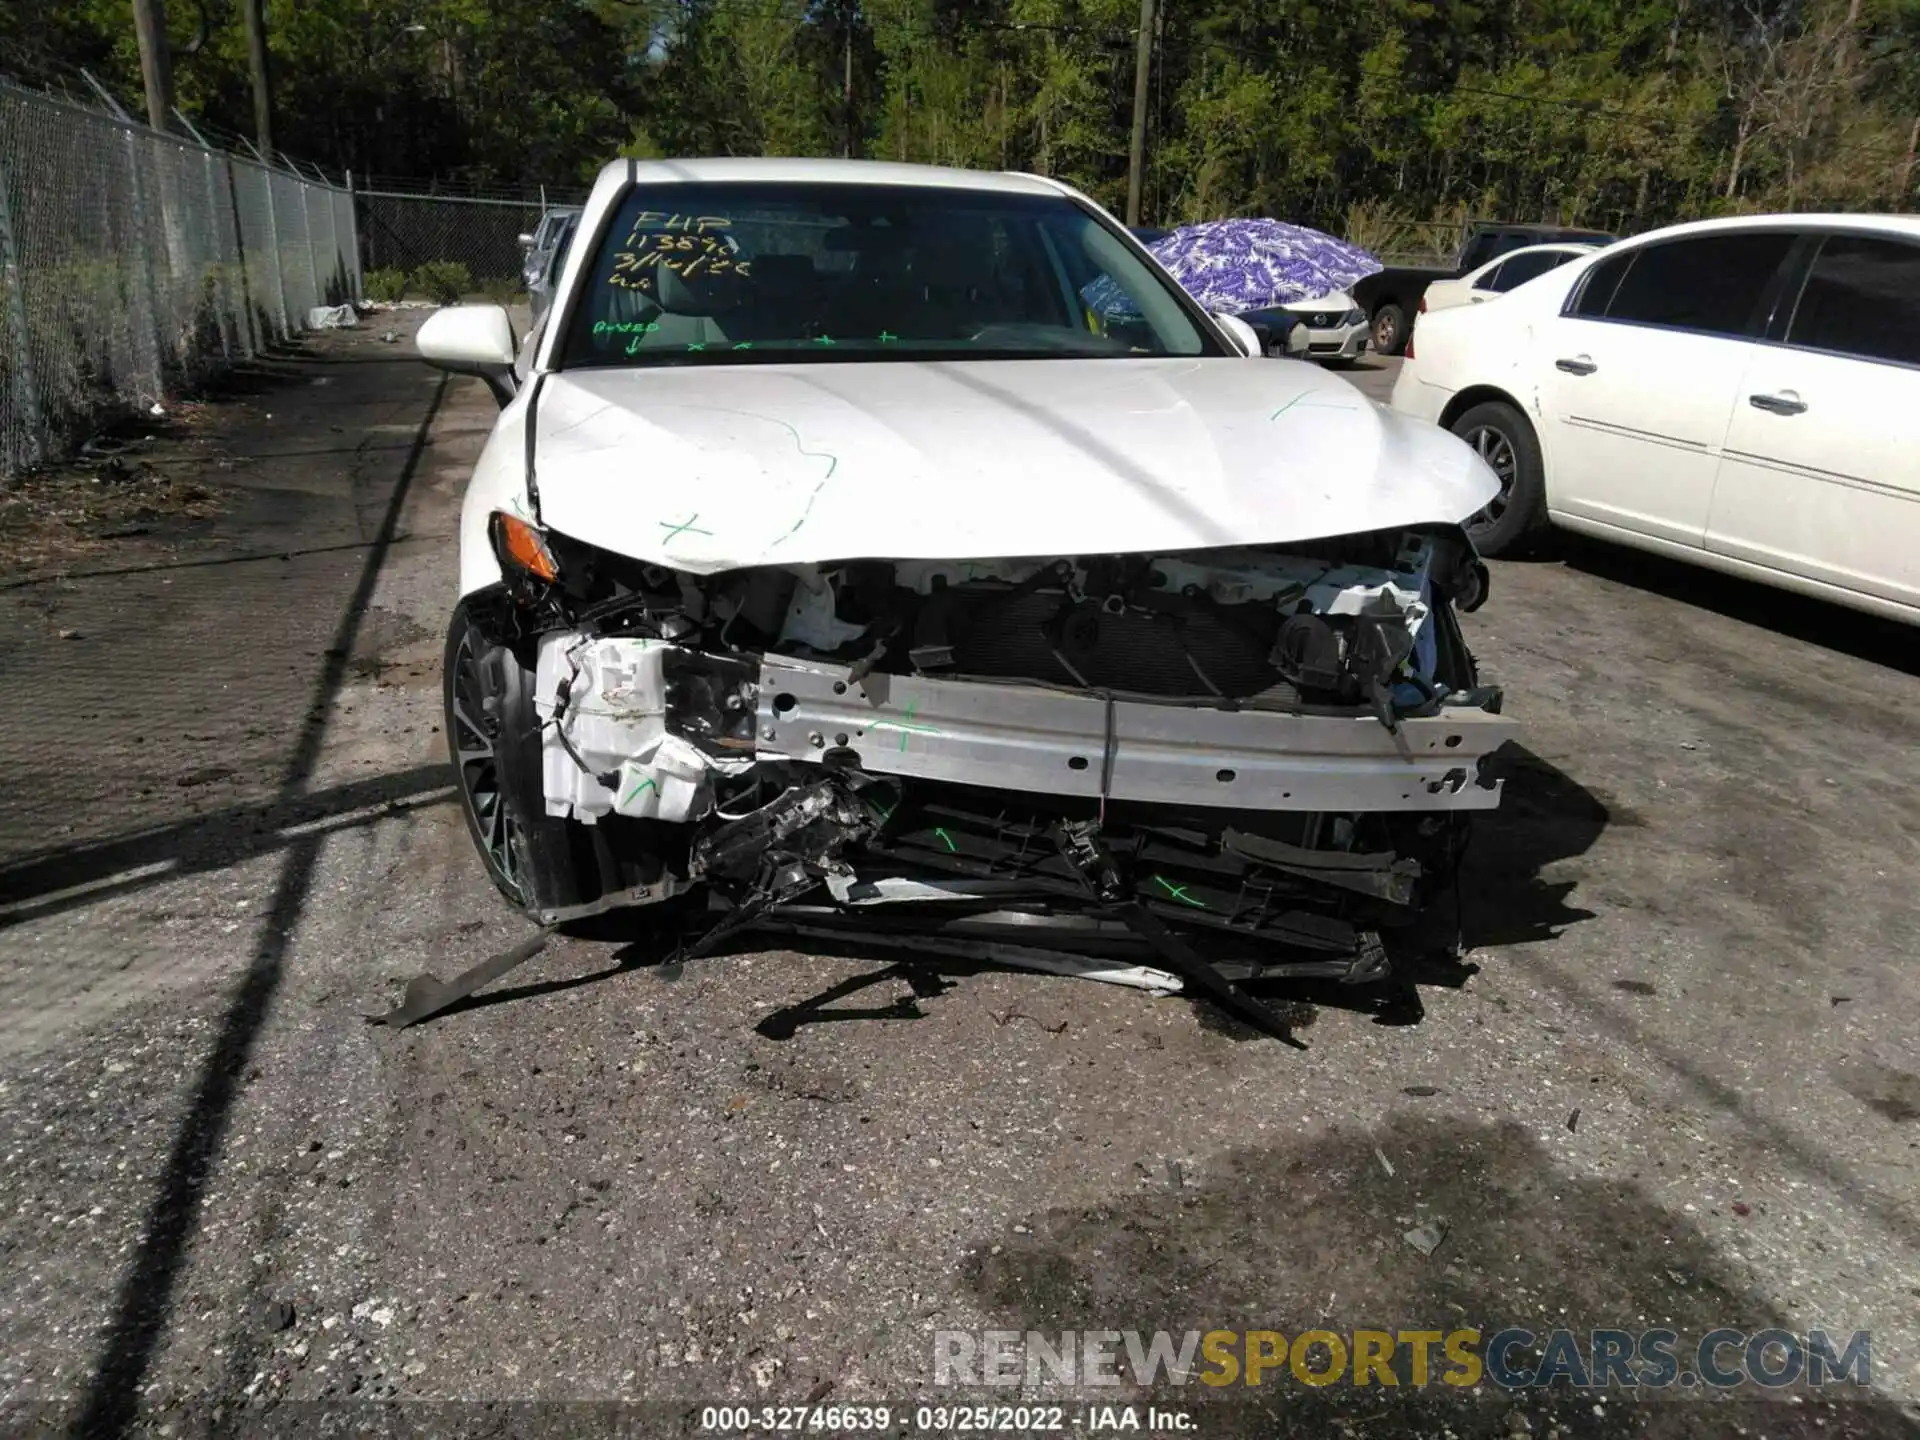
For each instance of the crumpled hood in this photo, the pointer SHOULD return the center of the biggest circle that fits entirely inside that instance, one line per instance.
(705, 469)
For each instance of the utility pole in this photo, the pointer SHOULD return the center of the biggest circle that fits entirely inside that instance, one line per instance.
(846, 94)
(257, 67)
(1137, 152)
(156, 62)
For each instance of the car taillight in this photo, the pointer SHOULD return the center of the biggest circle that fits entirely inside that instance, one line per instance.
(1408, 352)
(1423, 304)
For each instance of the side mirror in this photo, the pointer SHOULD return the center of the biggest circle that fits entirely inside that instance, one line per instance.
(1241, 333)
(472, 340)
(526, 242)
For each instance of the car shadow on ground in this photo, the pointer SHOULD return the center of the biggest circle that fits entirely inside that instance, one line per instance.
(1318, 1234)
(1501, 899)
(1872, 638)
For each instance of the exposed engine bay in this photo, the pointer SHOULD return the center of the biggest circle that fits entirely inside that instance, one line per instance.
(1174, 771)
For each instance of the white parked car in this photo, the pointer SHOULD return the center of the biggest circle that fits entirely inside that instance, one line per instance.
(1742, 393)
(1335, 328)
(834, 561)
(1496, 277)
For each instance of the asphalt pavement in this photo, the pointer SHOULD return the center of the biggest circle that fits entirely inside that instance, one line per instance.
(1675, 1083)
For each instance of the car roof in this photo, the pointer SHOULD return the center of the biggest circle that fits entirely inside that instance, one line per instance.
(1908, 225)
(826, 172)
(1579, 247)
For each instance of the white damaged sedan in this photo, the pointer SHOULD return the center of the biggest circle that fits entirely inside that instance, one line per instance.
(838, 565)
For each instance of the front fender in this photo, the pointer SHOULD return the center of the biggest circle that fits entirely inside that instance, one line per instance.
(499, 482)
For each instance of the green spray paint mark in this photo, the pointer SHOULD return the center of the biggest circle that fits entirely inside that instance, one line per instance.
(1306, 402)
(905, 725)
(833, 464)
(952, 848)
(887, 338)
(825, 340)
(640, 789)
(744, 345)
(698, 345)
(674, 531)
(1178, 892)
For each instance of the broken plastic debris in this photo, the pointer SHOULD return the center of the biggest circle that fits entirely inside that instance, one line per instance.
(332, 317)
(1385, 1164)
(1427, 1237)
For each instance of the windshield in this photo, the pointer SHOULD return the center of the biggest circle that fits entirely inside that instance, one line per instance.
(743, 273)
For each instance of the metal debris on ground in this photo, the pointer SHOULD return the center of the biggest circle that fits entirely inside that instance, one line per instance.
(1428, 1236)
(1007, 1017)
(426, 995)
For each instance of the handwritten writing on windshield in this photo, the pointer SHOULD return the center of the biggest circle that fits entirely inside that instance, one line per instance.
(688, 245)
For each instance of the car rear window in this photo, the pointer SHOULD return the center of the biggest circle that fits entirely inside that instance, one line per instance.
(1862, 297)
(1521, 268)
(1713, 284)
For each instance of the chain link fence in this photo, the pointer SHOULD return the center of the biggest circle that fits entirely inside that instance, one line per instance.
(445, 246)
(133, 263)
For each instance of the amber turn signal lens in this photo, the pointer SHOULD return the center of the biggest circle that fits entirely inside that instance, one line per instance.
(522, 546)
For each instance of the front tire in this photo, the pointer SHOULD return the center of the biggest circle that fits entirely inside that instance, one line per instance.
(1501, 436)
(493, 740)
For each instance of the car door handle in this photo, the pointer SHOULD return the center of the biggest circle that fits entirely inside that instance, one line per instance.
(1578, 365)
(1784, 403)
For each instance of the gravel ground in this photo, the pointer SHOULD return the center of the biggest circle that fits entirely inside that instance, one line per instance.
(1677, 1084)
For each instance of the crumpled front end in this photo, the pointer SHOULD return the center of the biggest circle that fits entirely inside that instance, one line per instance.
(1177, 770)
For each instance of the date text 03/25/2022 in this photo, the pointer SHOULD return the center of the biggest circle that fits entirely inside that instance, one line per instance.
(945, 1419)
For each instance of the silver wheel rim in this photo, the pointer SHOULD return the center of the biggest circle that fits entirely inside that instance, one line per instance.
(1386, 334)
(473, 733)
(1496, 449)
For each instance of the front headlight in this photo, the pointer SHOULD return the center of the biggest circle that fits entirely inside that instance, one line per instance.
(521, 548)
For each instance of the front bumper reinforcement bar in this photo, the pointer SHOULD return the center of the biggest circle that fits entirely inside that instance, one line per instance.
(1054, 742)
